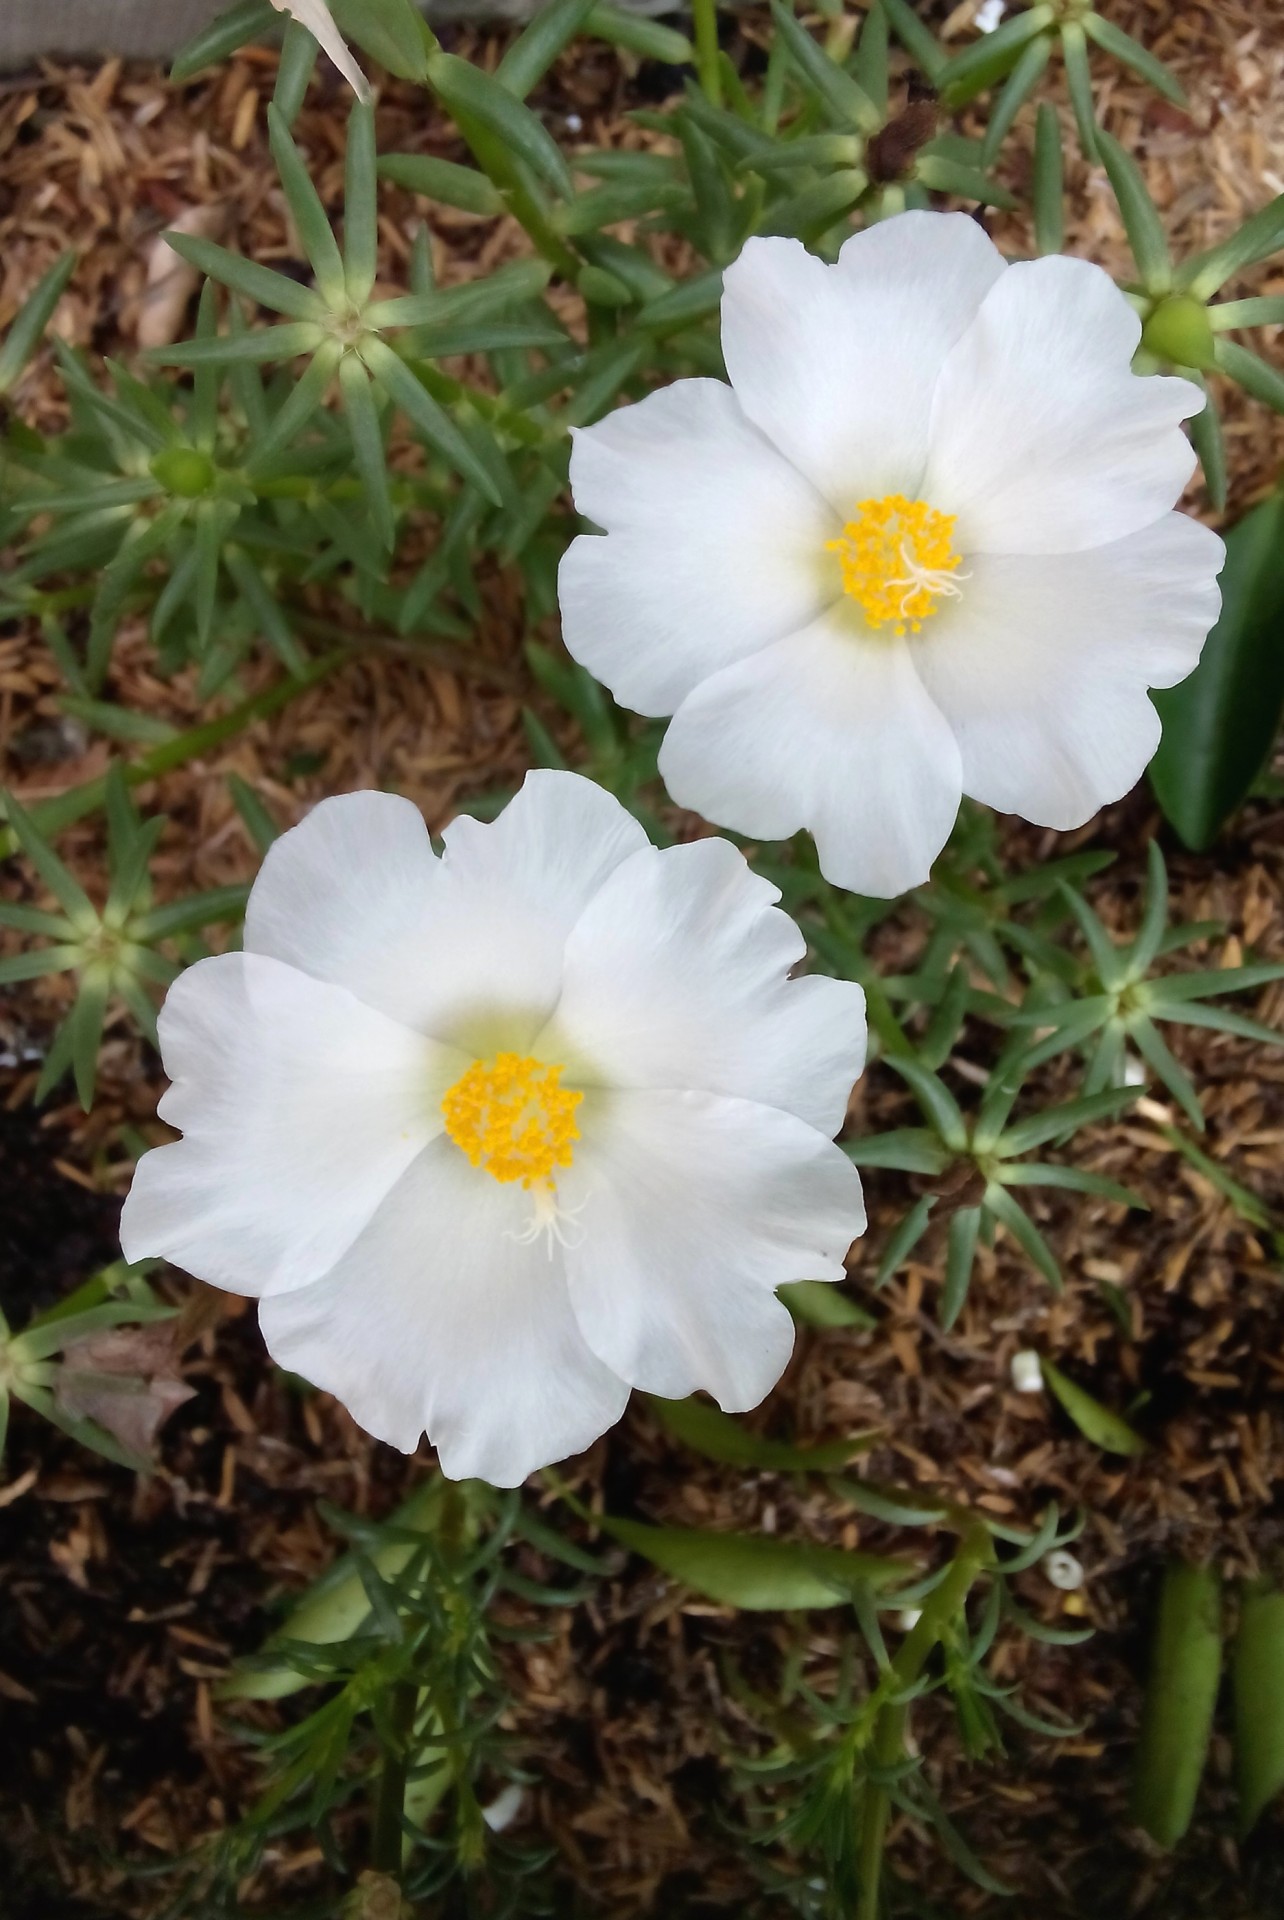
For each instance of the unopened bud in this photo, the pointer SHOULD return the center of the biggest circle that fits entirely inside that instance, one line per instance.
(1180, 332)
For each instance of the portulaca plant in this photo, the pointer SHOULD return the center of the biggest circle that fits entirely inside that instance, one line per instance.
(885, 524)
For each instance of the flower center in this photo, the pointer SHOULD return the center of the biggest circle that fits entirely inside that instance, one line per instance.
(897, 558)
(512, 1116)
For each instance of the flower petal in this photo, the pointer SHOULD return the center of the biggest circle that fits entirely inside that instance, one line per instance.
(355, 894)
(830, 730)
(315, 15)
(1042, 666)
(301, 1108)
(347, 896)
(694, 1209)
(1042, 439)
(677, 976)
(439, 1318)
(837, 364)
(715, 545)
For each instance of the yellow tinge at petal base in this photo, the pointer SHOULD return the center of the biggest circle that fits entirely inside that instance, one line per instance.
(897, 558)
(512, 1116)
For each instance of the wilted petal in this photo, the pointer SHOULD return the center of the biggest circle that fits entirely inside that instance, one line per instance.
(315, 15)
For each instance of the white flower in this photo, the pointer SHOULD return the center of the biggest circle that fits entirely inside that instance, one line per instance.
(921, 546)
(496, 1136)
(315, 15)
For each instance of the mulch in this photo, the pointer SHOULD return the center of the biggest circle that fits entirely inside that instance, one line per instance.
(123, 1600)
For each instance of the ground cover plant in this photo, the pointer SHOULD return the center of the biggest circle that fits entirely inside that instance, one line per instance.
(362, 451)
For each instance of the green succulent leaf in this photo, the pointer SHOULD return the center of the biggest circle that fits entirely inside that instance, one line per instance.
(1220, 723)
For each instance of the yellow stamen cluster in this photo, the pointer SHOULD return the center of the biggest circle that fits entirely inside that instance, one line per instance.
(897, 558)
(512, 1116)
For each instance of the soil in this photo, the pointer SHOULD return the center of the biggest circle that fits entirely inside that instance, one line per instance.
(122, 1599)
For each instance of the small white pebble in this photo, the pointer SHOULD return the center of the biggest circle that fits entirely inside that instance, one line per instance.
(504, 1808)
(989, 14)
(574, 124)
(1027, 1374)
(1063, 1570)
(908, 1618)
(1134, 1071)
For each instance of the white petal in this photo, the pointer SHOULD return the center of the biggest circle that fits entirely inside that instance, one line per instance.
(694, 1210)
(512, 890)
(347, 896)
(1042, 666)
(301, 1108)
(1042, 439)
(355, 894)
(435, 1319)
(677, 976)
(317, 18)
(830, 730)
(716, 545)
(837, 364)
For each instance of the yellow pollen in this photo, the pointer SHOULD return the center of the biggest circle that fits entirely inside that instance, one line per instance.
(898, 559)
(512, 1116)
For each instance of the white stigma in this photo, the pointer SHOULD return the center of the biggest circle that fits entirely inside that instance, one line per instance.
(941, 581)
(560, 1224)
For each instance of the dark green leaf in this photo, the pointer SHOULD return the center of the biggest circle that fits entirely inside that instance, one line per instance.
(1017, 88)
(1219, 725)
(637, 33)
(1074, 48)
(360, 207)
(310, 217)
(1140, 216)
(1132, 54)
(716, 1435)
(1258, 1676)
(535, 49)
(1095, 1422)
(819, 1303)
(252, 20)
(443, 180)
(1258, 237)
(990, 56)
(475, 95)
(754, 1572)
(433, 422)
(1046, 188)
(847, 101)
(1181, 1693)
(297, 65)
(31, 320)
(390, 31)
(961, 1252)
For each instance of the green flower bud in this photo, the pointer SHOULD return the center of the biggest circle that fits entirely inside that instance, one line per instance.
(184, 471)
(1179, 331)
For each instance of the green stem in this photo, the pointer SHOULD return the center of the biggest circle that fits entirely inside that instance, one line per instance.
(705, 13)
(390, 1797)
(50, 816)
(889, 1715)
